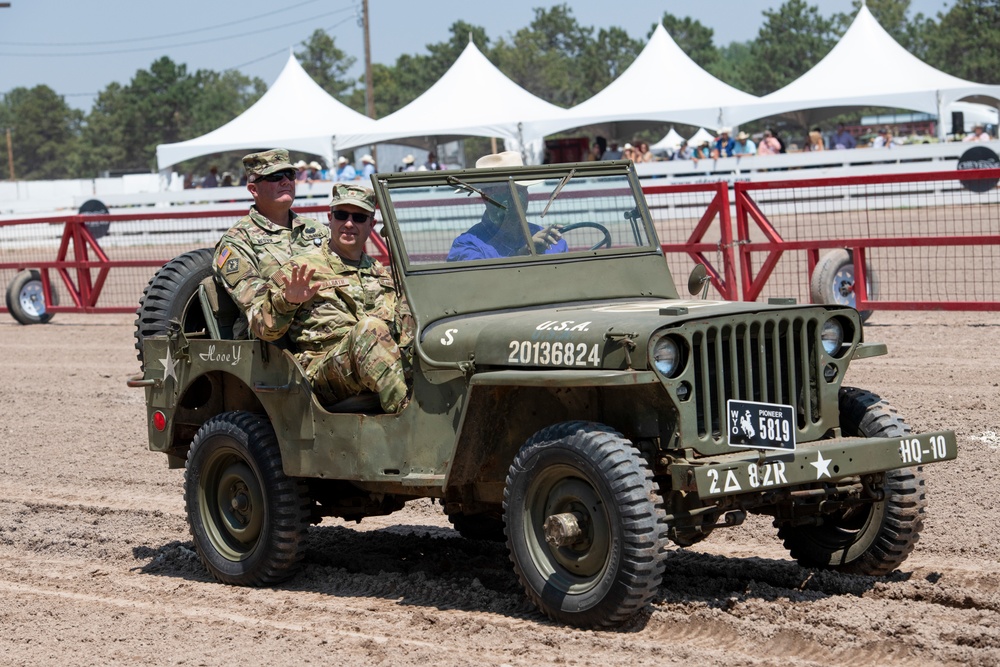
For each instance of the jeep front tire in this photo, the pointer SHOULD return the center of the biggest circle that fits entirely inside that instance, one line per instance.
(585, 526)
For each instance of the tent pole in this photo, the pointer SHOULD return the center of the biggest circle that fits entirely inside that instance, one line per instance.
(369, 88)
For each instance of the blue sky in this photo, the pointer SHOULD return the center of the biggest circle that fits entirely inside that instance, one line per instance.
(78, 47)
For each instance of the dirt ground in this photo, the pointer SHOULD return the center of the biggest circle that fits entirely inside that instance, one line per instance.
(97, 566)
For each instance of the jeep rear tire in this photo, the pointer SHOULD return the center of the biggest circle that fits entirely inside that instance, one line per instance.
(248, 519)
(585, 526)
(172, 294)
(871, 539)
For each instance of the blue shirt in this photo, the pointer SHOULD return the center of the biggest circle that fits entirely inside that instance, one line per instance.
(347, 173)
(477, 244)
(725, 148)
(843, 140)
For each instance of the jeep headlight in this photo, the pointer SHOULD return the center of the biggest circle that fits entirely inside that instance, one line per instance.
(666, 357)
(832, 336)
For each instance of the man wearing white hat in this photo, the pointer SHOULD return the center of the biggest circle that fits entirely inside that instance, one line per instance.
(499, 233)
(744, 145)
(367, 167)
(345, 171)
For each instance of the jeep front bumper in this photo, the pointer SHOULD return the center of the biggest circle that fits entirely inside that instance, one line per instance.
(823, 461)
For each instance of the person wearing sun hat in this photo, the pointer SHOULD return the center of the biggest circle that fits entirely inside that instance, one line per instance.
(499, 233)
(724, 144)
(341, 310)
(367, 167)
(270, 234)
(345, 171)
(744, 145)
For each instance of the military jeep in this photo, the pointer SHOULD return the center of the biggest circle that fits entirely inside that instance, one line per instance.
(570, 403)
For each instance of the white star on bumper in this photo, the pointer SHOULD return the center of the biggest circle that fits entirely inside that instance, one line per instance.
(822, 465)
(169, 365)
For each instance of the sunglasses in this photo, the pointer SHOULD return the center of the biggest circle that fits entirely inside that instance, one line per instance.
(356, 218)
(278, 176)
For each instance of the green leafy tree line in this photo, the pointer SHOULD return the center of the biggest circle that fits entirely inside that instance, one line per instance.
(553, 57)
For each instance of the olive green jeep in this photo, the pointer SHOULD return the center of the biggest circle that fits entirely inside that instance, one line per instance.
(565, 399)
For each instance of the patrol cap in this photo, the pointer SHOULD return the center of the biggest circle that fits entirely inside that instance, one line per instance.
(348, 193)
(267, 162)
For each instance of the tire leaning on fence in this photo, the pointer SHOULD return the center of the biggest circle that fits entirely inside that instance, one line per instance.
(26, 298)
(832, 281)
(172, 294)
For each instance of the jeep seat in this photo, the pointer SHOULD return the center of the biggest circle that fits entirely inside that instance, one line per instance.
(221, 311)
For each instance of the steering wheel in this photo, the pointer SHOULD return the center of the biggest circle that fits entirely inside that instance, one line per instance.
(605, 242)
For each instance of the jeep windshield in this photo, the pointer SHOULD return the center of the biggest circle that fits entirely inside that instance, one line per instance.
(479, 240)
(478, 217)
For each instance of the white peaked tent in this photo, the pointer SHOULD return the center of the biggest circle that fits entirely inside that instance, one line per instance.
(700, 137)
(294, 113)
(670, 142)
(662, 84)
(473, 98)
(868, 67)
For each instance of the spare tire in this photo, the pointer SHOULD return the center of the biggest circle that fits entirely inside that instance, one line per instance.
(172, 294)
(833, 280)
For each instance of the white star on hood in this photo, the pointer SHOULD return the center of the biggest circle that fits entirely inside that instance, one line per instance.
(169, 367)
(822, 465)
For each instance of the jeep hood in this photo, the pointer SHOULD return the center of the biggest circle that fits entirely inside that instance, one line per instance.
(578, 335)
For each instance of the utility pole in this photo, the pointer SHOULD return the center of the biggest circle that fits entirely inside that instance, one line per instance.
(10, 145)
(369, 89)
(10, 154)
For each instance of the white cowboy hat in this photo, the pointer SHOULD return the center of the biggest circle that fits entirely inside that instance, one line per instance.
(367, 158)
(300, 164)
(504, 159)
(409, 159)
(315, 165)
(342, 160)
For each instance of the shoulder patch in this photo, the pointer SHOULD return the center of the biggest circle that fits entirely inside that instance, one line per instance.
(224, 255)
(234, 270)
(386, 281)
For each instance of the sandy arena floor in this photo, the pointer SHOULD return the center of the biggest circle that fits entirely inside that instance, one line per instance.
(97, 566)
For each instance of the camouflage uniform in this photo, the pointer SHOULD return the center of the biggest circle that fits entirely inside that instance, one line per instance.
(349, 334)
(254, 248)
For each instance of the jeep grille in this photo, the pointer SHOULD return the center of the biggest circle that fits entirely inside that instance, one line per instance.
(771, 360)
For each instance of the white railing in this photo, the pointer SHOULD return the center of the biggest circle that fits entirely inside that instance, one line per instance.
(908, 159)
(30, 198)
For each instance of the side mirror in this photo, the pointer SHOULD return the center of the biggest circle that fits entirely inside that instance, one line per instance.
(699, 281)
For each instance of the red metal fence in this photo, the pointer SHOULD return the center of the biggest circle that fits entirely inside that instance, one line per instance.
(101, 263)
(918, 241)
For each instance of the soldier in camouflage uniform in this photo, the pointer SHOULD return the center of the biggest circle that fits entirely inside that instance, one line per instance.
(270, 234)
(341, 309)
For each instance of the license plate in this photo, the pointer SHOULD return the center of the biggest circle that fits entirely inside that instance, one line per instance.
(760, 425)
